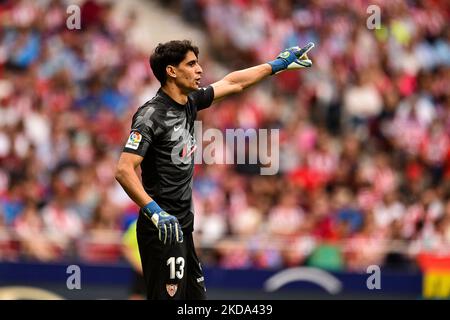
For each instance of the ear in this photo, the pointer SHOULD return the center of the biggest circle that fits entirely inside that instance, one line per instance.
(171, 71)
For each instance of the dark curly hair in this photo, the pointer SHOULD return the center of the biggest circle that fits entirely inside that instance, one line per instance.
(169, 53)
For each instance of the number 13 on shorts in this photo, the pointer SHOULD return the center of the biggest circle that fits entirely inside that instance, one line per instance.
(176, 267)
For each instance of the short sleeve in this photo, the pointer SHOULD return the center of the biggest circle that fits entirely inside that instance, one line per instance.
(203, 97)
(142, 132)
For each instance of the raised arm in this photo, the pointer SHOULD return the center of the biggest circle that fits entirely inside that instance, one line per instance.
(235, 82)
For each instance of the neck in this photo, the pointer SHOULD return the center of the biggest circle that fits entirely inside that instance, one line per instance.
(175, 93)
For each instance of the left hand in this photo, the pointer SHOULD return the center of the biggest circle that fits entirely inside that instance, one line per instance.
(292, 58)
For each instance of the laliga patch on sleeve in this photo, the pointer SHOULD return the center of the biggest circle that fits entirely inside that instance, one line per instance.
(134, 140)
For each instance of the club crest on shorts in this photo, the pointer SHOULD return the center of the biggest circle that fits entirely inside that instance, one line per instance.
(171, 289)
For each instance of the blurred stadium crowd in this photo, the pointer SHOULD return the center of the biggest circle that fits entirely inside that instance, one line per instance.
(364, 135)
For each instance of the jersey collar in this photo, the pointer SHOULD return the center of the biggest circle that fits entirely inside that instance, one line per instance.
(168, 99)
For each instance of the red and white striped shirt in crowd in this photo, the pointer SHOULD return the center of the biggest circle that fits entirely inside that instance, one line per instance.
(436, 147)
(323, 163)
(408, 134)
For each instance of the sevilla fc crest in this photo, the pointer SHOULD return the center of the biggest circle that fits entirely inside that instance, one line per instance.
(171, 289)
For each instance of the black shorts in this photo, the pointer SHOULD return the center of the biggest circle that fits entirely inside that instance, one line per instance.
(170, 271)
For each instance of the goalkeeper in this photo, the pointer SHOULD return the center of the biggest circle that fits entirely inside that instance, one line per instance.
(162, 143)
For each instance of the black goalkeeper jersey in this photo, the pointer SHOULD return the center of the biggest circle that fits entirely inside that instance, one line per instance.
(162, 132)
